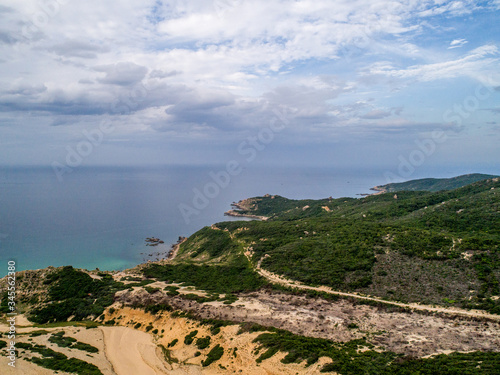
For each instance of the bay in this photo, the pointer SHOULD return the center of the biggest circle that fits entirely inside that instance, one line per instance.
(99, 217)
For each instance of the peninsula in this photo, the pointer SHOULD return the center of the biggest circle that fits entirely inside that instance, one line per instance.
(390, 283)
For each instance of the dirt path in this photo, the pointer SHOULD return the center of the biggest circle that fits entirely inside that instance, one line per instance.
(296, 284)
(175, 249)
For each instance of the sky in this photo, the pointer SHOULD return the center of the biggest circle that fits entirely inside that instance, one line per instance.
(354, 83)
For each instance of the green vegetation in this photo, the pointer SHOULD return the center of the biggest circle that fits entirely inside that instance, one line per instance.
(188, 340)
(38, 333)
(4, 304)
(198, 298)
(213, 355)
(84, 346)
(142, 282)
(215, 243)
(172, 290)
(155, 309)
(69, 342)
(59, 362)
(359, 357)
(215, 324)
(229, 299)
(238, 276)
(151, 290)
(414, 247)
(203, 343)
(324, 261)
(172, 343)
(436, 184)
(455, 363)
(62, 341)
(75, 293)
(3, 344)
(168, 355)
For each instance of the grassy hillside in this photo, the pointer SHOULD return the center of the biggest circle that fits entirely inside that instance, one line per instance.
(434, 184)
(432, 247)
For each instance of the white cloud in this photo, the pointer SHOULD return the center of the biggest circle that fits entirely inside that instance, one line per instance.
(122, 73)
(457, 43)
(222, 66)
(477, 63)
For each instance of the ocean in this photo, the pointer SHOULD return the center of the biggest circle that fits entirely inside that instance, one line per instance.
(99, 217)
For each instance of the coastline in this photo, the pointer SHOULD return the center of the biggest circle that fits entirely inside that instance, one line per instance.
(247, 204)
(175, 248)
(379, 190)
(235, 213)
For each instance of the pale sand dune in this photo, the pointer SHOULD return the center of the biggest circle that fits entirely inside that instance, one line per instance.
(132, 352)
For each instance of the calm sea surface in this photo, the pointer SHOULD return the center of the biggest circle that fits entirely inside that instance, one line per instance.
(100, 217)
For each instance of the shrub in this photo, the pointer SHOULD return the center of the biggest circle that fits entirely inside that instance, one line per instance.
(188, 340)
(203, 343)
(173, 342)
(214, 355)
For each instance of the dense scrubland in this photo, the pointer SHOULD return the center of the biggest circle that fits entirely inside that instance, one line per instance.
(433, 247)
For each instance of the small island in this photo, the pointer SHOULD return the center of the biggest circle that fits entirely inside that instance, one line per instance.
(153, 241)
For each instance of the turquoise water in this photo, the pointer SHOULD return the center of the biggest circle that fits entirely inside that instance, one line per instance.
(100, 217)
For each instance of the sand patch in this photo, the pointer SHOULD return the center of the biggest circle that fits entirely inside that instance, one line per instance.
(131, 352)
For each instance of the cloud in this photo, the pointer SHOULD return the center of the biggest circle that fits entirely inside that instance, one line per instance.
(7, 38)
(122, 73)
(26, 89)
(476, 63)
(162, 74)
(75, 48)
(457, 43)
(453, 8)
(221, 69)
(376, 114)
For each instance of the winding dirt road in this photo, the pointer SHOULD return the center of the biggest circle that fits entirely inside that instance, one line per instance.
(274, 278)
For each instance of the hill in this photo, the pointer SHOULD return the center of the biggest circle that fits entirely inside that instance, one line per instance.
(370, 285)
(434, 184)
(429, 247)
